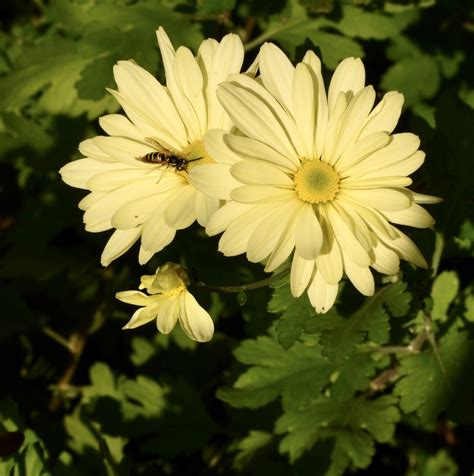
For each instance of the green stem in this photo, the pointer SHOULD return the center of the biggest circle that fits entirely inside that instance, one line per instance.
(244, 287)
(438, 251)
(56, 337)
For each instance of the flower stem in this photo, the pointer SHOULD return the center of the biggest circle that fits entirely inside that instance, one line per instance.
(244, 287)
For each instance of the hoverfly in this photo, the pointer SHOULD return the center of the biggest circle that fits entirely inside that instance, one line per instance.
(165, 157)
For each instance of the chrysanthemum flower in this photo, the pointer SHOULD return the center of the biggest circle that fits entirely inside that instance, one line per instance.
(150, 196)
(168, 301)
(314, 174)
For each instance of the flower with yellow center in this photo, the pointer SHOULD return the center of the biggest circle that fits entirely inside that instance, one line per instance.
(319, 177)
(139, 175)
(168, 301)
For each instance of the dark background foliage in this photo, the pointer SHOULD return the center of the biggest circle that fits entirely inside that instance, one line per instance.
(378, 386)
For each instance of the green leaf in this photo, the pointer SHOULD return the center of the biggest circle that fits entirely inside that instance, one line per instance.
(416, 77)
(340, 336)
(250, 445)
(360, 23)
(295, 312)
(297, 374)
(213, 7)
(354, 375)
(354, 424)
(437, 380)
(293, 26)
(444, 291)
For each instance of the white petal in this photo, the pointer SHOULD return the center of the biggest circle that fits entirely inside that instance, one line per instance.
(321, 294)
(181, 212)
(119, 125)
(194, 320)
(284, 246)
(385, 115)
(415, 216)
(333, 127)
(348, 243)
(98, 216)
(329, 261)
(216, 148)
(124, 150)
(119, 243)
(266, 235)
(147, 126)
(304, 90)
(140, 317)
(407, 250)
(426, 199)
(156, 233)
(277, 73)
(90, 199)
(400, 147)
(301, 273)
(189, 79)
(363, 183)
(78, 173)
(138, 86)
(261, 194)
(168, 314)
(352, 119)
(236, 237)
(321, 104)
(205, 208)
(255, 150)
(214, 180)
(257, 114)
(361, 277)
(137, 212)
(144, 255)
(89, 148)
(225, 216)
(136, 298)
(348, 77)
(259, 173)
(386, 260)
(120, 176)
(361, 149)
(228, 59)
(384, 199)
(374, 219)
(309, 234)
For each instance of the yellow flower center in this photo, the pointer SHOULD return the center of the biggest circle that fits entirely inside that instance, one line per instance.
(316, 182)
(195, 154)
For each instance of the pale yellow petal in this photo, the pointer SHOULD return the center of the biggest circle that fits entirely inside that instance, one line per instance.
(321, 294)
(301, 273)
(195, 321)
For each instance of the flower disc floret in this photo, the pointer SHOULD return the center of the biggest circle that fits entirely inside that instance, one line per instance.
(316, 182)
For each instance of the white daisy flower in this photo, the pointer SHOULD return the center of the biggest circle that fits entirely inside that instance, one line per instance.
(168, 301)
(317, 176)
(138, 175)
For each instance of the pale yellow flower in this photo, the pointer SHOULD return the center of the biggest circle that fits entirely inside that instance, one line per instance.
(168, 301)
(313, 176)
(141, 196)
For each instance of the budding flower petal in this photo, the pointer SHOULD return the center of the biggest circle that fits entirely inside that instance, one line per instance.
(168, 301)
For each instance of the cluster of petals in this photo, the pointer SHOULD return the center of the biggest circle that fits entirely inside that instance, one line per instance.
(143, 199)
(283, 168)
(314, 176)
(168, 301)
